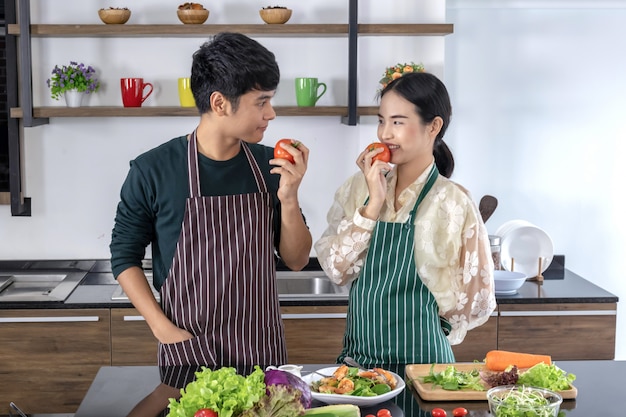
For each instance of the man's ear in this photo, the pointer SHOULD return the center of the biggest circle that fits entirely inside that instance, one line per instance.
(219, 103)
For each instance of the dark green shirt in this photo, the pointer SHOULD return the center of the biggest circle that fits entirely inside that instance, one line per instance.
(152, 200)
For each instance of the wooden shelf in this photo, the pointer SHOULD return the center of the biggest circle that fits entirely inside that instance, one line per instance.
(173, 111)
(313, 30)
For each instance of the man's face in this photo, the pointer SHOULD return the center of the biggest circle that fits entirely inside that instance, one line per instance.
(252, 116)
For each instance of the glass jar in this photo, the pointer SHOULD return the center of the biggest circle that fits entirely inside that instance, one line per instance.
(494, 242)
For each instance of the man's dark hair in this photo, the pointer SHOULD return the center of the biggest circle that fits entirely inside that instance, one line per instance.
(232, 64)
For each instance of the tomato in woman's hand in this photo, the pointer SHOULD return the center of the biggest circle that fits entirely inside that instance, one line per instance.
(459, 412)
(384, 156)
(281, 153)
(205, 412)
(438, 412)
(383, 412)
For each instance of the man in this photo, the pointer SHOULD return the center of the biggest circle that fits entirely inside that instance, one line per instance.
(216, 216)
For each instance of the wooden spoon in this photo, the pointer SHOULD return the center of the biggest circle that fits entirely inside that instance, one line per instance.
(487, 206)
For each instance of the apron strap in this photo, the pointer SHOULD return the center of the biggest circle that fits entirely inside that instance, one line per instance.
(432, 177)
(194, 170)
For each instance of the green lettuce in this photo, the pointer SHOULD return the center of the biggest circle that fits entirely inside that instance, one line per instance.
(222, 390)
(547, 376)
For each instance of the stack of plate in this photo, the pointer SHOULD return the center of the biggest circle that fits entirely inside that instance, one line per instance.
(523, 246)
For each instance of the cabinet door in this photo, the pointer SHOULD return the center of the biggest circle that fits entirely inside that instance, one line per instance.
(48, 358)
(314, 334)
(478, 342)
(564, 331)
(132, 341)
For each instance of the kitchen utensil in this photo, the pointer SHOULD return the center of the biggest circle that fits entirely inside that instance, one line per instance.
(275, 15)
(416, 372)
(487, 206)
(308, 91)
(134, 91)
(501, 401)
(352, 399)
(508, 282)
(351, 362)
(523, 248)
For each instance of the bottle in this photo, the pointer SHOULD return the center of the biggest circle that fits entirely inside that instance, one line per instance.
(494, 242)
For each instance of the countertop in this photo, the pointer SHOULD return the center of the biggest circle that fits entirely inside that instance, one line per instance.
(559, 286)
(115, 390)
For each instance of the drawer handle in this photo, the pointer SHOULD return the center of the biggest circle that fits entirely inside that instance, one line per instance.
(48, 319)
(558, 313)
(134, 318)
(314, 316)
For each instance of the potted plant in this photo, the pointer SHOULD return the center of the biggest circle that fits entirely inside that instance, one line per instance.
(398, 70)
(73, 81)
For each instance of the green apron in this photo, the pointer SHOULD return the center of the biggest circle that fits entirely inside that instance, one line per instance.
(392, 316)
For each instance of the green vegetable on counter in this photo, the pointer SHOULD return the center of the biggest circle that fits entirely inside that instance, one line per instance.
(547, 376)
(337, 410)
(222, 390)
(452, 379)
(523, 402)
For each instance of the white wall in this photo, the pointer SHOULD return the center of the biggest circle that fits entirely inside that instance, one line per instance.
(538, 90)
(535, 87)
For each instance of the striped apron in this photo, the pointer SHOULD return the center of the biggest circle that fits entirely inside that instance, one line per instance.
(222, 283)
(392, 316)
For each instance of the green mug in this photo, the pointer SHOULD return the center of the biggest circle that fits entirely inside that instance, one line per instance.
(307, 91)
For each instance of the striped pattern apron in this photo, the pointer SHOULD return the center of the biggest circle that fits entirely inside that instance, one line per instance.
(222, 283)
(392, 316)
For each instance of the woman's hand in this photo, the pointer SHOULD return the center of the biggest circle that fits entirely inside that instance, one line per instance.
(374, 172)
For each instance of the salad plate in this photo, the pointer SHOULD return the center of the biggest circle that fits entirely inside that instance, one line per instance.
(351, 399)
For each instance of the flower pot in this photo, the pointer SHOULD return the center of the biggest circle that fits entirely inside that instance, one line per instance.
(73, 98)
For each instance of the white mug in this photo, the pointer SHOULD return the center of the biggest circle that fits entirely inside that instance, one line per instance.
(292, 369)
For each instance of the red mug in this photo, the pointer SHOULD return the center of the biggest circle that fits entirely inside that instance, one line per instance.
(133, 91)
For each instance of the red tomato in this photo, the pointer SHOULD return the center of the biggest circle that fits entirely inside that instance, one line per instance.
(459, 412)
(370, 415)
(384, 156)
(205, 412)
(383, 412)
(281, 153)
(438, 412)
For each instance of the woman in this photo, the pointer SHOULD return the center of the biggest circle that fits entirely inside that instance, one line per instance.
(410, 241)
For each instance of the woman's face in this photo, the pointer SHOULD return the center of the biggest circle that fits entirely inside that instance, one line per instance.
(409, 139)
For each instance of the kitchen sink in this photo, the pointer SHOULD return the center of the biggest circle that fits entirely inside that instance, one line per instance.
(291, 285)
(37, 287)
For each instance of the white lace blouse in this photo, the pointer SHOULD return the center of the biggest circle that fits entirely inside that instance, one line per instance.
(452, 249)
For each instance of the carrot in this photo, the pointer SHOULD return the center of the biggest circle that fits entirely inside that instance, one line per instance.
(499, 360)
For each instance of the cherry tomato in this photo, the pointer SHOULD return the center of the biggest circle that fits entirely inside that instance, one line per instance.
(205, 412)
(383, 412)
(384, 156)
(281, 153)
(459, 412)
(438, 412)
(370, 415)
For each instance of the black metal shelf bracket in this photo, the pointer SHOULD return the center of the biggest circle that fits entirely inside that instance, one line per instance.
(353, 33)
(20, 205)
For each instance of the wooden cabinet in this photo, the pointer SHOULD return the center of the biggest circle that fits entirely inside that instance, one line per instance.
(132, 341)
(564, 331)
(314, 334)
(478, 342)
(48, 358)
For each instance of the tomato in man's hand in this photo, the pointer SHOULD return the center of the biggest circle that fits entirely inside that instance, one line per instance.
(281, 153)
(384, 156)
(205, 412)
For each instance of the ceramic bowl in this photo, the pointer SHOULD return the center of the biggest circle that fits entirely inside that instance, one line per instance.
(508, 282)
(275, 16)
(193, 17)
(112, 16)
(536, 401)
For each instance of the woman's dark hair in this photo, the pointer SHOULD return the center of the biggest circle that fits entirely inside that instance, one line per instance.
(431, 99)
(232, 64)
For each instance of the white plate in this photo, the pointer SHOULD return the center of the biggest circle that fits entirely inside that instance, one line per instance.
(351, 399)
(526, 244)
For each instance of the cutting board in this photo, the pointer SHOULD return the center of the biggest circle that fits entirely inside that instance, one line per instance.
(415, 373)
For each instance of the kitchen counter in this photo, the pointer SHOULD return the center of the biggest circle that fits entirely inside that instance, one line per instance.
(560, 286)
(115, 390)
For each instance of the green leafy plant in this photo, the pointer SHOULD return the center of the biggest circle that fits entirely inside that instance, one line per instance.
(73, 77)
(398, 70)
